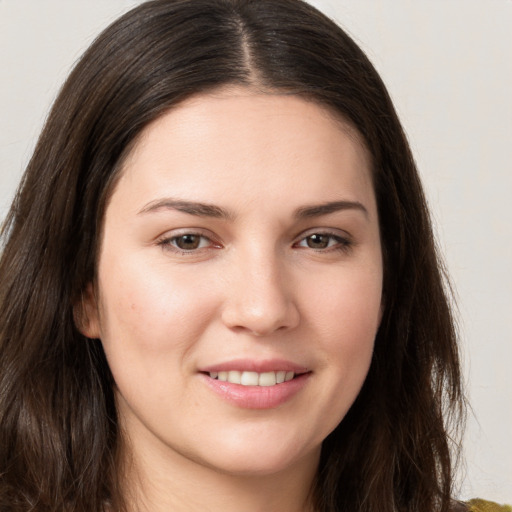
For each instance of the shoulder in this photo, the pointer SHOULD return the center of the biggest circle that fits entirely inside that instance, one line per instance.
(479, 505)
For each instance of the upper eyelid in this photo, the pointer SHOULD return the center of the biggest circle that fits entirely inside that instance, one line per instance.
(334, 232)
(176, 233)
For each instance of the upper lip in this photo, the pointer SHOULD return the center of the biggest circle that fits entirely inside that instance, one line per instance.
(251, 365)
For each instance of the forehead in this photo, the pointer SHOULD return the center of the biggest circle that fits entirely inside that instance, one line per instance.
(239, 107)
(237, 142)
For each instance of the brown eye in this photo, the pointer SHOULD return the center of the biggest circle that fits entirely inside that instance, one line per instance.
(188, 242)
(318, 241)
(325, 242)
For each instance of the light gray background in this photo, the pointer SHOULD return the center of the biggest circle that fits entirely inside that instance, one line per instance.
(447, 64)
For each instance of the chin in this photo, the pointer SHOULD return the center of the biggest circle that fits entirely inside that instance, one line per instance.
(263, 461)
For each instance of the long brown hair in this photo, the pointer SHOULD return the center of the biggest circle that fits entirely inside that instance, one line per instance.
(59, 435)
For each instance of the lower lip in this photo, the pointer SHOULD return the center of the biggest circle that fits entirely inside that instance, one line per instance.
(257, 397)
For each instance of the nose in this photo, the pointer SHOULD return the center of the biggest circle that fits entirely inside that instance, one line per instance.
(260, 299)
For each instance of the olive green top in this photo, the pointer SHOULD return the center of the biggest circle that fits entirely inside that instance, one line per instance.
(487, 506)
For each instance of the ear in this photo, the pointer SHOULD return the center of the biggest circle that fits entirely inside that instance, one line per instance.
(86, 315)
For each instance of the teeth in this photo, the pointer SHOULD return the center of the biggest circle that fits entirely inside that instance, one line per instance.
(249, 379)
(267, 379)
(253, 378)
(234, 377)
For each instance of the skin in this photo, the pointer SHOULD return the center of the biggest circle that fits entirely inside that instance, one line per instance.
(258, 285)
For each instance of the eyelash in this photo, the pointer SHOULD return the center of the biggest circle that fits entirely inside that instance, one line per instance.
(168, 243)
(342, 244)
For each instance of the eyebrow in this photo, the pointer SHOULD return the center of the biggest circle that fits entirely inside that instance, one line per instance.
(190, 207)
(307, 212)
(210, 210)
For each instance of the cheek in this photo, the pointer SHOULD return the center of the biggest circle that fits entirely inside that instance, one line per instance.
(150, 324)
(346, 316)
(342, 318)
(152, 313)
(349, 303)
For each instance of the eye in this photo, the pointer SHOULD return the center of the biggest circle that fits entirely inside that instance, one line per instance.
(322, 241)
(187, 242)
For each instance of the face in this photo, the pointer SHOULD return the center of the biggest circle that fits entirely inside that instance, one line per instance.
(239, 282)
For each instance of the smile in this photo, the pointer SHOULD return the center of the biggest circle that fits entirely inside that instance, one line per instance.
(245, 378)
(256, 390)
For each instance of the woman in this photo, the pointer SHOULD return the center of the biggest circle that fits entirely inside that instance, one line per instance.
(219, 283)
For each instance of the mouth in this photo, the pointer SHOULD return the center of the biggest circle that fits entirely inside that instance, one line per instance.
(256, 390)
(256, 384)
(248, 378)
